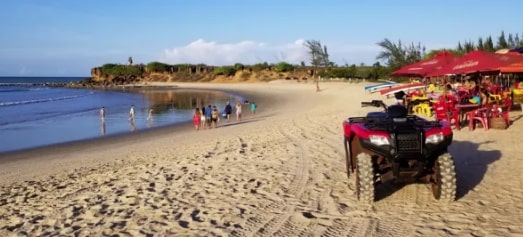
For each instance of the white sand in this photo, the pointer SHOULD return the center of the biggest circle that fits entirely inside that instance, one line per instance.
(279, 173)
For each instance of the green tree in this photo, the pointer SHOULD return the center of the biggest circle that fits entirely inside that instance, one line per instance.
(157, 67)
(502, 42)
(460, 48)
(510, 41)
(225, 70)
(376, 71)
(353, 70)
(239, 66)
(397, 55)
(319, 57)
(469, 46)
(284, 67)
(260, 66)
(393, 54)
(489, 45)
(517, 41)
(480, 44)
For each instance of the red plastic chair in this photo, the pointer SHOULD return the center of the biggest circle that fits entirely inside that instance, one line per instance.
(481, 115)
(446, 111)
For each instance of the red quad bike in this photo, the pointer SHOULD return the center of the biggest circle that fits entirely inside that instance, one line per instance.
(392, 146)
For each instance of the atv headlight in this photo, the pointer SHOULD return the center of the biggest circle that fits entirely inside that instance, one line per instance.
(434, 138)
(379, 140)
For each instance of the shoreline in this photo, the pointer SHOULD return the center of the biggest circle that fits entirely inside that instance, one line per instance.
(119, 135)
(58, 152)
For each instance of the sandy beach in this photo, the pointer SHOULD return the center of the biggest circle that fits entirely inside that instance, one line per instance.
(280, 172)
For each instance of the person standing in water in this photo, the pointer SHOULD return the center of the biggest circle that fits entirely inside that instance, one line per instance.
(102, 118)
(131, 113)
(150, 116)
(102, 114)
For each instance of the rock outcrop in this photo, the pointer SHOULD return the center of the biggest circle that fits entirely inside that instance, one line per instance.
(127, 74)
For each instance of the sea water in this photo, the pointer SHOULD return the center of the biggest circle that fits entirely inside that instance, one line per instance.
(34, 115)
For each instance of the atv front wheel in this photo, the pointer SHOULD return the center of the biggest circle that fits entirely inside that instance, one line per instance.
(364, 178)
(444, 179)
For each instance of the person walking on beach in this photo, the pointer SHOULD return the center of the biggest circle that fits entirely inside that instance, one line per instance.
(131, 113)
(228, 110)
(208, 113)
(196, 118)
(202, 118)
(150, 116)
(253, 108)
(214, 117)
(238, 111)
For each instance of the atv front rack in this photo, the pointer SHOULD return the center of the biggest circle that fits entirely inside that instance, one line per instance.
(384, 123)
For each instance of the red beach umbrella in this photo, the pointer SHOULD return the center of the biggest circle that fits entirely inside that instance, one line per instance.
(512, 68)
(422, 68)
(477, 61)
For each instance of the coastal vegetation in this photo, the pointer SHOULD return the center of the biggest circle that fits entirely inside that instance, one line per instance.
(397, 55)
(393, 55)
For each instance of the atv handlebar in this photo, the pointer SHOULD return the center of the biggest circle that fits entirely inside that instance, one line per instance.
(375, 103)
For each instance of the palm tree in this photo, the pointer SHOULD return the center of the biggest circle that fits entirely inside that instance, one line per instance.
(393, 54)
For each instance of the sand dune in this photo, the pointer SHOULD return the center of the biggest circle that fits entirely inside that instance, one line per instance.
(279, 173)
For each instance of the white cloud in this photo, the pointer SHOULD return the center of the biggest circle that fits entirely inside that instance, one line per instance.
(246, 52)
(251, 52)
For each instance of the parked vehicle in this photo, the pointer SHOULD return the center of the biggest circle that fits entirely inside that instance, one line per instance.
(392, 146)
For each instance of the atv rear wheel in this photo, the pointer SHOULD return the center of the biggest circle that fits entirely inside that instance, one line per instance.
(444, 179)
(348, 157)
(364, 178)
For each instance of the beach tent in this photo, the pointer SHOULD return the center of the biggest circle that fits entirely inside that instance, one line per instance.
(514, 67)
(502, 51)
(422, 68)
(477, 61)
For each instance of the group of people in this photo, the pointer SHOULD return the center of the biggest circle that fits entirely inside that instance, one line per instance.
(131, 114)
(469, 92)
(131, 118)
(208, 117)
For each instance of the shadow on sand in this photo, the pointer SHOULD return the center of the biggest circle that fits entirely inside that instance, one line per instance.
(471, 166)
(233, 122)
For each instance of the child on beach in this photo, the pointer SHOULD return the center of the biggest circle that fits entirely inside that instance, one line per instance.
(196, 118)
(253, 108)
(238, 111)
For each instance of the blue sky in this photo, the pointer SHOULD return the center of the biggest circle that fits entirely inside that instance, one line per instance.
(69, 37)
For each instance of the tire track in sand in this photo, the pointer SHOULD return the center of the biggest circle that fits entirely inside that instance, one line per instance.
(295, 189)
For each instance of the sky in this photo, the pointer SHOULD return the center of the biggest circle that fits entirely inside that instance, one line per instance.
(69, 37)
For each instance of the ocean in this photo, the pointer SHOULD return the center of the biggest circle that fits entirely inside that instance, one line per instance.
(37, 115)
